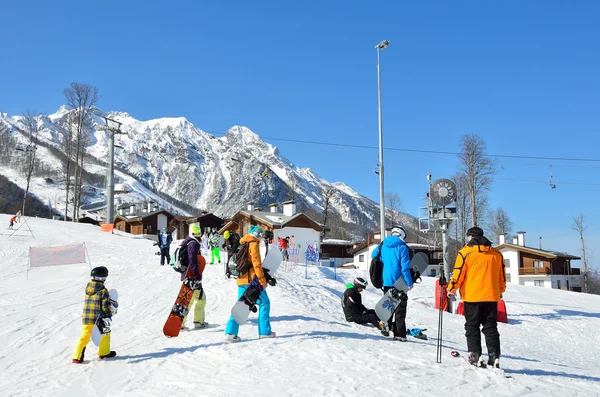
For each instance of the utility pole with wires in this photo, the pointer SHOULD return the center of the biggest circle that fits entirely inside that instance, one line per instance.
(110, 180)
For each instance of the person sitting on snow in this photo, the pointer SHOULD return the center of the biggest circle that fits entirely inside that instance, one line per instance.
(355, 311)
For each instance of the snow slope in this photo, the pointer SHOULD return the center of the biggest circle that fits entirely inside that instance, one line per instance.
(551, 347)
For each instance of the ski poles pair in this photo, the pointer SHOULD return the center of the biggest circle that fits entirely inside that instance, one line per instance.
(442, 284)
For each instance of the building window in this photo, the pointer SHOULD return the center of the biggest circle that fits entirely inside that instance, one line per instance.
(538, 283)
(538, 264)
(507, 263)
(433, 273)
(361, 258)
(508, 277)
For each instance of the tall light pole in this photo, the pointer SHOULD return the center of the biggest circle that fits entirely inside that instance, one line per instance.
(381, 46)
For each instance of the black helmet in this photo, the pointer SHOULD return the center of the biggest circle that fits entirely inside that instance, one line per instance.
(99, 273)
(360, 282)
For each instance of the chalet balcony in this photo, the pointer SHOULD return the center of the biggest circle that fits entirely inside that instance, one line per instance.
(534, 271)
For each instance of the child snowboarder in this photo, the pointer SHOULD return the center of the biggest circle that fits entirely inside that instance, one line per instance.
(12, 222)
(355, 311)
(97, 304)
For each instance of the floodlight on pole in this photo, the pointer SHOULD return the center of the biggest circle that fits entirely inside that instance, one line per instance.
(381, 47)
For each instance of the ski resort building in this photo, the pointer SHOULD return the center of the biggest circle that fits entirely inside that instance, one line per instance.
(538, 267)
(144, 219)
(300, 229)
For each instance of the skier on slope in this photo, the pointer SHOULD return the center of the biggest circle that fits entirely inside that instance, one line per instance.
(213, 246)
(196, 264)
(97, 304)
(12, 222)
(480, 275)
(355, 311)
(243, 281)
(396, 263)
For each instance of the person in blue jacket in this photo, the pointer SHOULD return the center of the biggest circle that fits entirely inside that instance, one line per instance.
(396, 263)
(164, 242)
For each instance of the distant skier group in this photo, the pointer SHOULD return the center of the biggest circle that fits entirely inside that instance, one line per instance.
(479, 274)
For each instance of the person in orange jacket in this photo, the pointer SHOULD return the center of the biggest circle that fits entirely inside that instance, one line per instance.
(480, 276)
(264, 304)
(12, 221)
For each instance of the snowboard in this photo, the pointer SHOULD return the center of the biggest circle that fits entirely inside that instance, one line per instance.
(180, 309)
(390, 300)
(96, 334)
(247, 303)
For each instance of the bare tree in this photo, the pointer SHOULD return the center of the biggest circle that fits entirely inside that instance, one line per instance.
(463, 205)
(499, 223)
(579, 226)
(393, 203)
(81, 98)
(67, 126)
(328, 194)
(479, 170)
(32, 128)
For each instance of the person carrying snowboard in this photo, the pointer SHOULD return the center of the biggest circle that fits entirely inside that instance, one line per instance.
(480, 276)
(213, 246)
(196, 264)
(243, 281)
(164, 242)
(96, 304)
(355, 311)
(232, 244)
(396, 263)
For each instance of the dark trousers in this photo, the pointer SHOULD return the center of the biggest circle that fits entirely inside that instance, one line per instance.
(164, 253)
(369, 317)
(397, 322)
(482, 314)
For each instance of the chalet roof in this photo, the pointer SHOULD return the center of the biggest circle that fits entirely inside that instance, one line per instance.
(142, 215)
(537, 251)
(199, 218)
(332, 241)
(275, 220)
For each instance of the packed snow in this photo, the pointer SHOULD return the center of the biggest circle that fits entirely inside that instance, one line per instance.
(550, 347)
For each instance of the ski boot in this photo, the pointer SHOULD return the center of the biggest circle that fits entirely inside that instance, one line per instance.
(200, 325)
(493, 360)
(109, 355)
(476, 360)
(383, 328)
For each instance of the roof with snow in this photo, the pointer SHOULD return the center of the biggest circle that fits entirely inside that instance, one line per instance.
(537, 251)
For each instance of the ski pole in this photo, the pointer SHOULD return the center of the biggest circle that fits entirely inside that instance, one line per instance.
(442, 283)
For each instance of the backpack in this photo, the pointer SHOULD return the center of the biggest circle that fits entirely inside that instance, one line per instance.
(376, 270)
(179, 260)
(242, 263)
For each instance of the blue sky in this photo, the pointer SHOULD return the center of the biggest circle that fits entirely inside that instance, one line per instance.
(523, 75)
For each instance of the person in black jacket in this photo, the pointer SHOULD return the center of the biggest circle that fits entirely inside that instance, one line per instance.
(355, 311)
(232, 244)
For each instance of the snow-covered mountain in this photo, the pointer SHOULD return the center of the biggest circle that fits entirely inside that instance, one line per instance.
(218, 174)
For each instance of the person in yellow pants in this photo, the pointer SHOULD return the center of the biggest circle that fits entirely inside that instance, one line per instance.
(97, 304)
(199, 303)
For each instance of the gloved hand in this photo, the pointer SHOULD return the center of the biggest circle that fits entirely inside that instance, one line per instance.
(114, 306)
(106, 323)
(272, 281)
(193, 283)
